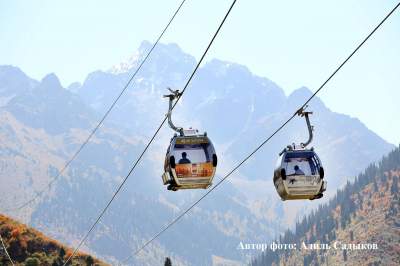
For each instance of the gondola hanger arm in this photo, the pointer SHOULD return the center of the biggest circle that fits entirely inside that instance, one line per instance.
(171, 97)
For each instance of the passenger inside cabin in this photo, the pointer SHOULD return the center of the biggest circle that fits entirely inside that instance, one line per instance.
(297, 170)
(184, 159)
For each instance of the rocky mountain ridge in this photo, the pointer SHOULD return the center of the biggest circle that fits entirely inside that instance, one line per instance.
(237, 109)
(34, 155)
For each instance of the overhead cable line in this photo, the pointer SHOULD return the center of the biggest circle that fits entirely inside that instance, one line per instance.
(126, 178)
(8, 255)
(101, 121)
(301, 108)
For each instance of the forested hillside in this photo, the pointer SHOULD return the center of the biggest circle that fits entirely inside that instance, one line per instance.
(364, 212)
(26, 246)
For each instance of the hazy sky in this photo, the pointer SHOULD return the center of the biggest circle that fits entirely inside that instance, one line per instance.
(293, 43)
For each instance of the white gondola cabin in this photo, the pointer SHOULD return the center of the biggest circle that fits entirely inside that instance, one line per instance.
(298, 172)
(190, 161)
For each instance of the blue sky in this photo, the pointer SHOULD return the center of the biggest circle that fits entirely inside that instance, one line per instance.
(293, 43)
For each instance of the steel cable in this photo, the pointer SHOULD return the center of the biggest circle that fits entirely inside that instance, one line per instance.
(101, 121)
(126, 178)
(208, 192)
(5, 250)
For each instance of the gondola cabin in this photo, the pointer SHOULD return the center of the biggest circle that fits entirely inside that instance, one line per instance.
(299, 174)
(190, 162)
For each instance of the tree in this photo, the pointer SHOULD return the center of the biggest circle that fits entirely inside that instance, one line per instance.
(305, 261)
(345, 255)
(351, 236)
(67, 256)
(17, 233)
(32, 262)
(55, 263)
(311, 240)
(343, 223)
(16, 248)
(167, 262)
(61, 253)
(394, 188)
(89, 261)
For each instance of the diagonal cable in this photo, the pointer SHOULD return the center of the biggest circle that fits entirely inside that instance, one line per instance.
(8, 255)
(101, 121)
(208, 192)
(352, 53)
(126, 178)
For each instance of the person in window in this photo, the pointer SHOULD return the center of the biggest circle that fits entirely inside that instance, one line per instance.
(297, 171)
(184, 159)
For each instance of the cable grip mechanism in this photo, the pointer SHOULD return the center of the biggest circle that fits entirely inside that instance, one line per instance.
(301, 112)
(172, 96)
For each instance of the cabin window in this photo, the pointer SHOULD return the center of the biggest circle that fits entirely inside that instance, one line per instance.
(193, 153)
(301, 163)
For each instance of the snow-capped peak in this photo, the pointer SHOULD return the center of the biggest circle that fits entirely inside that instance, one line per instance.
(125, 65)
(134, 61)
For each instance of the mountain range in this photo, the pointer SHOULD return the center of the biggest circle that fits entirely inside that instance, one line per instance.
(44, 124)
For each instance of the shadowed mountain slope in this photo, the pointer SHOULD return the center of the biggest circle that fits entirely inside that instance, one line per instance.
(239, 111)
(51, 107)
(33, 153)
(42, 127)
(12, 82)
